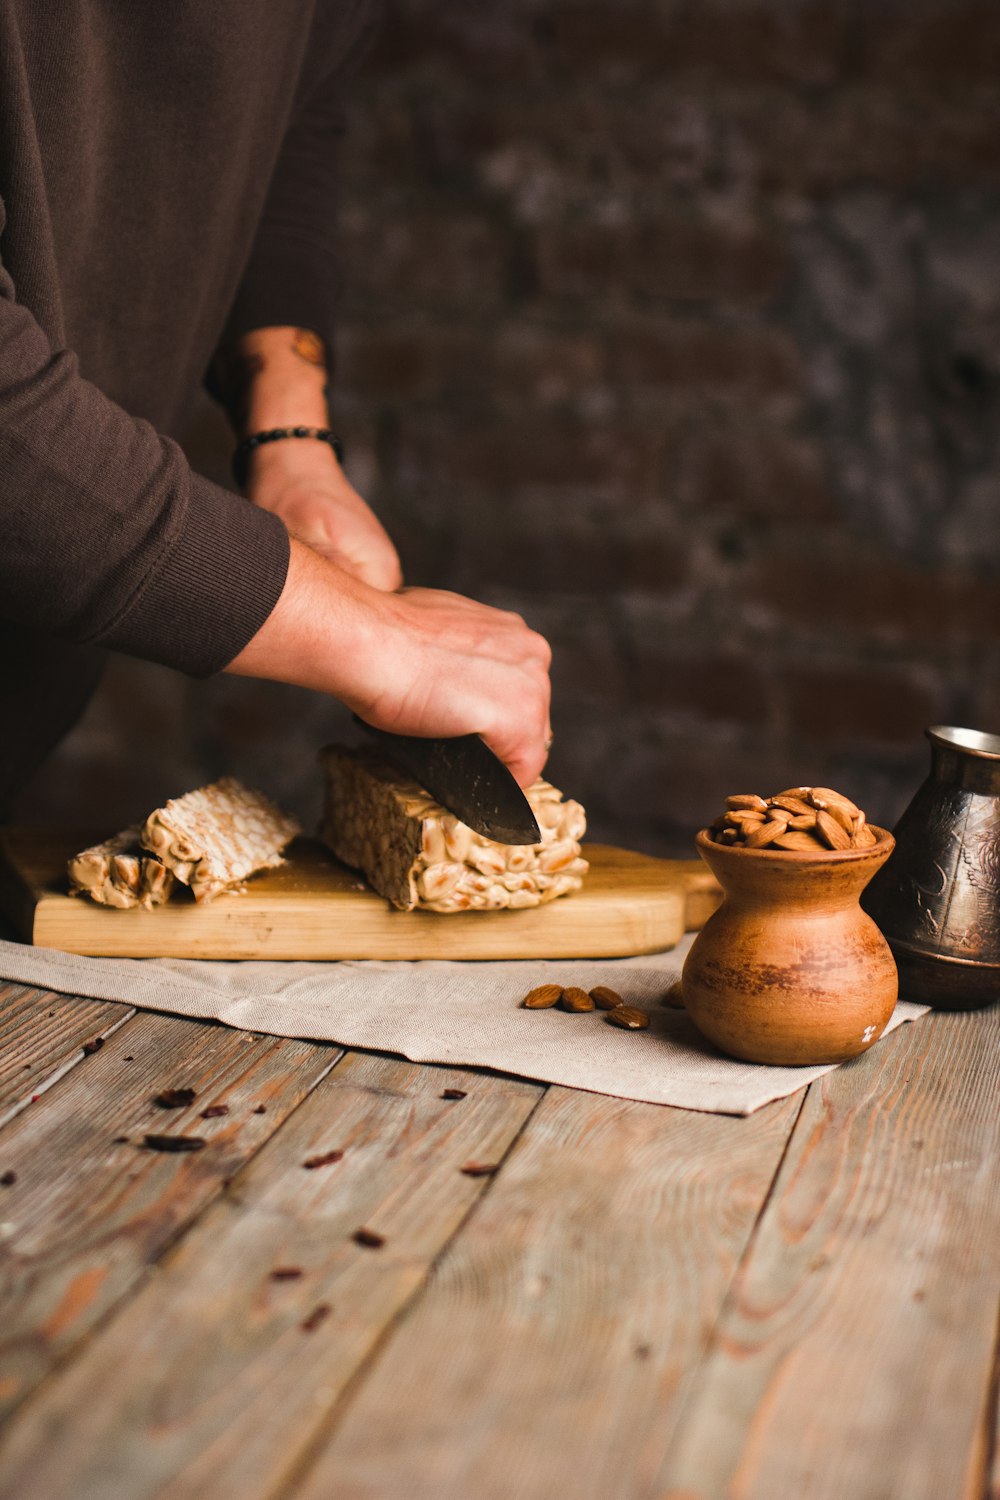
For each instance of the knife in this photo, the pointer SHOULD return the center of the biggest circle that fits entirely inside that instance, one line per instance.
(466, 777)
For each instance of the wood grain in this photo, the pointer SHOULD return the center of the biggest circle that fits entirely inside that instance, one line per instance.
(856, 1352)
(209, 1382)
(702, 892)
(42, 1035)
(559, 1333)
(88, 1213)
(315, 908)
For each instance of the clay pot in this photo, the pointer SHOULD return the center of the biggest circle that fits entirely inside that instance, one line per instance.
(790, 970)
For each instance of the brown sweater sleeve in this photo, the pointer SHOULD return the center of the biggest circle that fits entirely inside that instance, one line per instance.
(293, 274)
(108, 536)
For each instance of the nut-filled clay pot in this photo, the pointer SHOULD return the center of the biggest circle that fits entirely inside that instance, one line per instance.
(790, 970)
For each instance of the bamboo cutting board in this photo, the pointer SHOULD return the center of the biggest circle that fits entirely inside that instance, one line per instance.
(315, 908)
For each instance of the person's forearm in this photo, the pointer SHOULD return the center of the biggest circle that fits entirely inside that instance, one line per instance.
(274, 377)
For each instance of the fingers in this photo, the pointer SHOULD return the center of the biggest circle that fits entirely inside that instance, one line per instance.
(521, 732)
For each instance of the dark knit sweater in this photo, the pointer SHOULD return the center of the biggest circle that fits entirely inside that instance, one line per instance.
(167, 176)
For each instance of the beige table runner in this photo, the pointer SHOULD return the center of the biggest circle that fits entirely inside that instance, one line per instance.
(458, 1013)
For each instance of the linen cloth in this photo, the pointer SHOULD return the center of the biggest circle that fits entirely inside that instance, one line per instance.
(463, 1014)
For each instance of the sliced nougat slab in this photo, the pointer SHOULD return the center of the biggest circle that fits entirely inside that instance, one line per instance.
(217, 836)
(418, 855)
(119, 873)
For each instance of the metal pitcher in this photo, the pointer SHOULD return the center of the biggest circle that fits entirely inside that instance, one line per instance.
(937, 899)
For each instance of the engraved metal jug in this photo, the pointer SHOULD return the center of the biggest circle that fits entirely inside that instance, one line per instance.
(937, 898)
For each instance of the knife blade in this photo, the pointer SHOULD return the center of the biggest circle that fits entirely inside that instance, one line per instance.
(465, 776)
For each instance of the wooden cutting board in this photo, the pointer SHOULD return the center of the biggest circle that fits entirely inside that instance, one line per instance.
(315, 908)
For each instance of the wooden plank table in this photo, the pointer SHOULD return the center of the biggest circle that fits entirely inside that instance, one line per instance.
(637, 1301)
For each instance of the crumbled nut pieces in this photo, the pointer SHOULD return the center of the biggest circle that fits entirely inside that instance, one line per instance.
(89, 1048)
(214, 1111)
(629, 1017)
(318, 1315)
(174, 1142)
(542, 997)
(174, 1098)
(605, 998)
(575, 1000)
(326, 1160)
(369, 1238)
(810, 819)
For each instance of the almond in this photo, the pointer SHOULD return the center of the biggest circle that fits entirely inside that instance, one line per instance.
(629, 1017)
(831, 832)
(795, 805)
(542, 997)
(767, 833)
(576, 1000)
(804, 842)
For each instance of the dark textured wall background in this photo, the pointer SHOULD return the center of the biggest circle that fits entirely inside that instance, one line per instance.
(674, 324)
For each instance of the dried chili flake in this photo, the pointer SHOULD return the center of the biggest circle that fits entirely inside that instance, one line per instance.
(174, 1098)
(453, 1094)
(370, 1238)
(120, 1140)
(286, 1273)
(480, 1168)
(174, 1142)
(261, 1109)
(214, 1111)
(318, 1315)
(326, 1160)
(94, 1046)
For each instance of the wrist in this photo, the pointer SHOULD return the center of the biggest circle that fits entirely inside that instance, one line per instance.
(326, 632)
(278, 457)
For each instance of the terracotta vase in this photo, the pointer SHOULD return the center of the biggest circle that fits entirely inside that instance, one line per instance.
(790, 970)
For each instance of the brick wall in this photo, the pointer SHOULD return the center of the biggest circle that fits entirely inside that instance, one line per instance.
(674, 324)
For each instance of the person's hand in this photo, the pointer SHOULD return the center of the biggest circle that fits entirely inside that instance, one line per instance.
(445, 665)
(420, 662)
(301, 481)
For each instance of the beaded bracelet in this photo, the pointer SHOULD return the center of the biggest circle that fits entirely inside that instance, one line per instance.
(243, 450)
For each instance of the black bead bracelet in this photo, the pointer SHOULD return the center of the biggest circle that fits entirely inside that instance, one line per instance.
(243, 450)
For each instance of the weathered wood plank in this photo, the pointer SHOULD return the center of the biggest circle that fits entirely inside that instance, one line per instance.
(210, 1384)
(992, 1490)
(557, 1336)
(87, 1211)
(42, 1035)
(854, 1358)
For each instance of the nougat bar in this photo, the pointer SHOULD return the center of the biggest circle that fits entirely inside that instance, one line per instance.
(217, 836)
(419, 856)
(119, 873)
